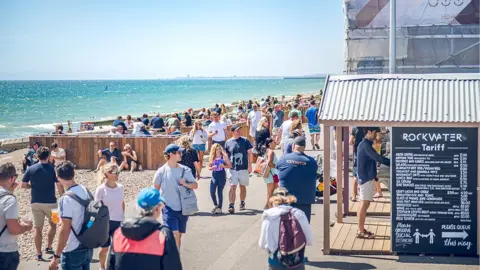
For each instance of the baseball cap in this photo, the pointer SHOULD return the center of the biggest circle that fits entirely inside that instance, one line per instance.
(300, 141)
(236, 127)
(171, 148)
(149, 198)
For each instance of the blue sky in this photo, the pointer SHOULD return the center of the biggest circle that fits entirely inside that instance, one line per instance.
(107, 39)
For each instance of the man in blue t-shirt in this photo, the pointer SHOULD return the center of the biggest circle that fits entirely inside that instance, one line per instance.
(313, 126)
(119, 122)
(157, 122)
(239, 151)
(298, 174)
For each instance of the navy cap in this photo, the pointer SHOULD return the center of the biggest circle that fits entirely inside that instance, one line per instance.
(236, 127)
(300, 141)
(149, 198)
(171, 148)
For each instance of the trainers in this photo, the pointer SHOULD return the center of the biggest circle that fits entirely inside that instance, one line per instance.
(49, 251)
(242, 206)
(214, 209)
(231, 210)
(218, 211)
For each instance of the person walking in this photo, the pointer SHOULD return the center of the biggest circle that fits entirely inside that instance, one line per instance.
(10, 224)
(367, 173)
(312, 117)
(278, 118)
(282, 202)
(111, 193)
(69, 252)
(142, 242)
(298, 174)
(239, 150)
(284, 131)
(217, 163)
(217, 130)
(189, 156)
(252, 120)
(262, 134)
(167, 179)
(268, 152)
(199, 139)
(41, 180)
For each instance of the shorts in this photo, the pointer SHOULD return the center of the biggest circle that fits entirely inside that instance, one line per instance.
(174, 220)
(222, 143)
(239, 177)
(355, 165)
(113, 226)
(79, 258)
(9, 260)
(40, 211)
(199, 147)
(275, 131)
(366, 190)
(314, 129)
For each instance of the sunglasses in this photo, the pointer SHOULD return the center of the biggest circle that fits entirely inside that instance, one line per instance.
(115, 172)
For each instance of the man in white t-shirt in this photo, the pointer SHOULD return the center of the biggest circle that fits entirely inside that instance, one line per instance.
(57, 155)
(10, 225)
(72, 255)
(284, 131)
(252, 121)
(217, 130)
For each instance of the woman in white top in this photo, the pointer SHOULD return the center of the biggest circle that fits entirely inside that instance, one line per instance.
(199, 139)
(111, 193)
(226, 120)
(129, 122)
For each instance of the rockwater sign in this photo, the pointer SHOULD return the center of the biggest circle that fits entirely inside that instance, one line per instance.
(434, 197)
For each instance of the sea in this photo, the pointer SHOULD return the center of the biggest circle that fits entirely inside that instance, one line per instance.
(34, 107)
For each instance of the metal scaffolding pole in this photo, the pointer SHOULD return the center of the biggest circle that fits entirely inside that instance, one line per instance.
(393, 36)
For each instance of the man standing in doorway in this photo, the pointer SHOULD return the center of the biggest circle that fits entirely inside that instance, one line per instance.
(367, 172)
(298, 174)
(239, 150)
(313, 126)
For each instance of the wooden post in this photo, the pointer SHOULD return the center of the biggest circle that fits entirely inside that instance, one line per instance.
(346, 174)
(478, 190)
(326, 189)
(339, 135)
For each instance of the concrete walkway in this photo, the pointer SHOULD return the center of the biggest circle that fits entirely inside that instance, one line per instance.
(226, 242)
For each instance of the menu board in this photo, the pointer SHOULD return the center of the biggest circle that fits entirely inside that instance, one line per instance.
(433, 184)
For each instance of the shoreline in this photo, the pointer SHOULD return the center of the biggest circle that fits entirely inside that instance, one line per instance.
(17, 143)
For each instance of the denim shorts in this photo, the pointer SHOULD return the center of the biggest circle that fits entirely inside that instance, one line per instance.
(199, 147)
(174, 220)
(9, 260)
(78, 259)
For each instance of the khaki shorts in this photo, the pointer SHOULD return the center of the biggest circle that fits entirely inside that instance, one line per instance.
(40, 211)
(366, 190)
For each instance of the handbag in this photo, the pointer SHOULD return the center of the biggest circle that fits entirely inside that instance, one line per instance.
(261, 167)
(188, 199)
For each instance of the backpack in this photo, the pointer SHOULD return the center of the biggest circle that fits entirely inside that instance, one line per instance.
(291, 241)
(95, 227)
(3, 194)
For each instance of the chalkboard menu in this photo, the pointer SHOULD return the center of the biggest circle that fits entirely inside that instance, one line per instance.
(433, 184)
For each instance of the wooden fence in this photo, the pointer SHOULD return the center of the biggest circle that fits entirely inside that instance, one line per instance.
(83, 149)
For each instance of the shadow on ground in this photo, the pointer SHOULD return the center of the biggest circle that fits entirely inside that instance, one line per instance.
(416, 259)
(341, 265)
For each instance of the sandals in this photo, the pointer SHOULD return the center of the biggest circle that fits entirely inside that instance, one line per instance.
(365, 235)
(376, 196)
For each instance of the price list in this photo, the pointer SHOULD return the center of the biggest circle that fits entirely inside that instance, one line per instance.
(434, 190)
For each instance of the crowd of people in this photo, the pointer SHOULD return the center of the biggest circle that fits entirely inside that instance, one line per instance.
(291, 183)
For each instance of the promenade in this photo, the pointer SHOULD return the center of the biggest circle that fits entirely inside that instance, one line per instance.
(223, 242)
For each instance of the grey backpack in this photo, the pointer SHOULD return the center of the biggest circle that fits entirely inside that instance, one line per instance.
(95, 227)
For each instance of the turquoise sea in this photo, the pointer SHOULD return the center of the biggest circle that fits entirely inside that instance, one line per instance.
(29, 107)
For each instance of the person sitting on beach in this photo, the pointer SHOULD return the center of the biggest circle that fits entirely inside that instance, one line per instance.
(157, 123)
(145, 120)
(217, 109)
(30, 156)
(118, 122)
(57, 155)
(109, 155)
(137, 128)
(113, 132)
(173, 130)
(130, 159)
(188, 119)
(121, 130)
(129, 122)
(201, 113)
(59, 130)
(173, 121)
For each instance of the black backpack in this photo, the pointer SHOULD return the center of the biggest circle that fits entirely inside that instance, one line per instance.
(3, 194)
(95, 227)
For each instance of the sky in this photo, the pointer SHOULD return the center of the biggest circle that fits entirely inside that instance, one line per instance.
(116, 39)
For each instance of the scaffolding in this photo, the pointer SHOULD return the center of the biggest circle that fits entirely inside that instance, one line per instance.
(425, 43)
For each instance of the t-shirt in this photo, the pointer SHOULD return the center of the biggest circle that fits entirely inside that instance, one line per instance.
(58, 154)
(118, 122)
(278, 118)
(286, 129)
(71, 209)
(297, 111)
(358, 134)
(173, 121)
(298, 174)
(200, 137)
(42, 178)
(189, 157)
(8, 210)
(218, 110)
(237, 150)
(188, 120)
(115, 153)
(157, 122)
(220, 127)
(146, 121)
(217, 163)
(112, 198)
(254, 118)
(311, 115)
(167, 177)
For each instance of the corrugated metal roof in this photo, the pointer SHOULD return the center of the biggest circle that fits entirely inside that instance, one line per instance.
(402, 98)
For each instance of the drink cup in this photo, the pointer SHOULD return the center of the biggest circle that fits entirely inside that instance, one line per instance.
(26, 219)
(55, 216)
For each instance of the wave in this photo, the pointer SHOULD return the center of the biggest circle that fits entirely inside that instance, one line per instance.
(2, 126)
(40, 126)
